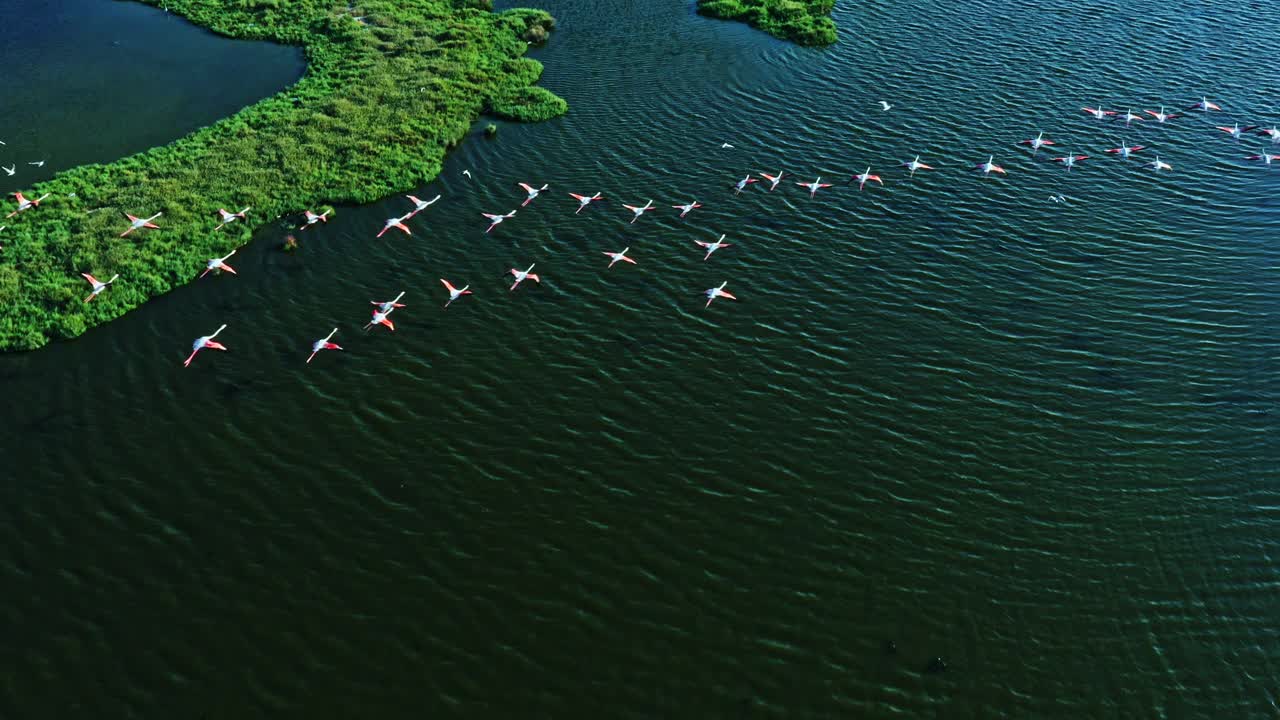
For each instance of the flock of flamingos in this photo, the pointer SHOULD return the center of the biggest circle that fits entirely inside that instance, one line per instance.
(382, 310)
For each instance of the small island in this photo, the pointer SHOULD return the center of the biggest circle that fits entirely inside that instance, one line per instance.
(806, 22)
(390, 87)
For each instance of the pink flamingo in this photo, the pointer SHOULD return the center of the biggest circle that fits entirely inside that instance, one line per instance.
(686, 209)
(1157, 165)
(313, 218)
(1162, 116)
(1264, 157)
(1036, 143)
(743, 183)
(1098, 112)
(1069, 161)
(397, 223)
(1129, 116)
(389, 305)
(25, 204)
(715, 292)
(1204, 105)
(532, 191)
(638, 211)
(1236, 131)
(380, 317)
(863, 177)
(98, 286)
(204, 342)
(522, 275)
(814, 186)
(419, 205)
(915, 165)
(1124, 151)
(1273, 133)
(454, 293)
(713, 246)
(584, 201)
(219, 264)
(615, 257)
(496, 220)
(773, 179)
(230, 217)
(989, 167)
(136, 223)
(324, 344)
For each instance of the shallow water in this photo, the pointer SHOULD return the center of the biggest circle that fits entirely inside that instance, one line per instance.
(1036, 439)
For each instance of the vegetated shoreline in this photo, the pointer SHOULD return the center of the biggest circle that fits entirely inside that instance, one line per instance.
(390, 87)
(806, 22)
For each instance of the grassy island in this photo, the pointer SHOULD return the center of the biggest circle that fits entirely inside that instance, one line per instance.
(806, 22)
(390, 86)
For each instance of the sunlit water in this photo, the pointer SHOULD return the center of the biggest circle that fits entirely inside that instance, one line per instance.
(1036, 439)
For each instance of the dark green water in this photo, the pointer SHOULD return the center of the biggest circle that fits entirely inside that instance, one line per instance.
(1036, 439)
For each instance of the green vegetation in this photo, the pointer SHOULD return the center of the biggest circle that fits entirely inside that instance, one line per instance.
(806, 22)
(490, 130)
(391, 85)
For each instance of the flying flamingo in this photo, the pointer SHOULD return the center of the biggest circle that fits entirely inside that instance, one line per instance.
(615, 257)
(1069, 161)
(1036, 143)
(496, 220)
(814, 186)
(395, 222)
(521, 275)
(1204, 105)
(1129, 116)
(638, 211)
(533, 192)
(773, 179)
(230, 217)
(1273, 133)
(219, 264)
(454, 293)
(989, 167)
(1162, 116)
(1264, 157)
(1157, 165)
(716, 292)
(915, 165)
(685, 209)
(380, 318)
(136, 223)
(313, 218)
(98, 286)
(863, 177)
(1235, 131)
(1099, 113)
(204, 342)
(713, 246)
(419, 205)
(738, 186)
(25, 204)
(388, 306)
(584, 201)
(324, 344)
(1124, 151)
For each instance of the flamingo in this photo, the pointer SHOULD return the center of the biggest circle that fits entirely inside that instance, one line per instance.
(454, 293)
(98, 286)
(1273, 133)
(313, 218)
(773, 179)
(584, 201)
(395, 222)
(915, 165)
(737, 188)
(533, 192)
(638, 211)
(1157, 165)
(687, 208)
(713, 246)
(324, 344)
(989, 167)
(380, 317)
(863, 177)
(25, 204)
(1036, 143)
(814, 186)
(1204, 105)
(1069, 161)
(1124, 151)
(1264, 157)
(1098, 112)
(496, 220)
(521, 275)
(388, 306)
(419, 205)
(615, 257)
(230, 217)
(716, 292)
(1235, 131)
(204, 342)
(1129, 116)
(136, 223)
(1162, 116)
(219, 264)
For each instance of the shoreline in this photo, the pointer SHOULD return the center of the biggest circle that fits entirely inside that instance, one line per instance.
(804, 22)
(383, 98)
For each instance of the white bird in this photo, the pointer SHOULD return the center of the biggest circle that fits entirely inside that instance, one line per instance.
(1058, 198)
(467, 173)
(39, 163)
(885, 107)
(726, 146)
(1158, 166)
(10, 170)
